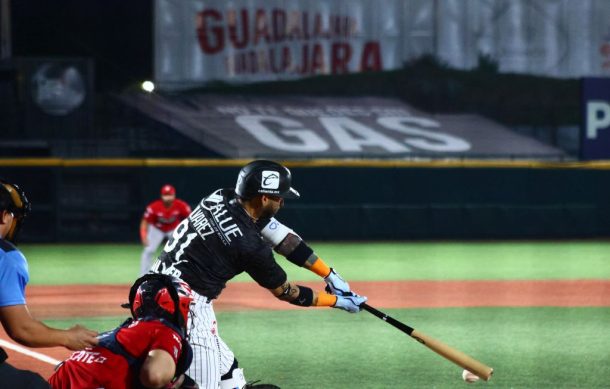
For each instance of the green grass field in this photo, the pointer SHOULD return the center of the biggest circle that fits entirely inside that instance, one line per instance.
(324, 348)
(119, 263)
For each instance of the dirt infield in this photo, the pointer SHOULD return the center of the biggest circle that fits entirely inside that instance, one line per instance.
(104, 300)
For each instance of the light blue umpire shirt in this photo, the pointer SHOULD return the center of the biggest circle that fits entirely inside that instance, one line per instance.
(13, 275)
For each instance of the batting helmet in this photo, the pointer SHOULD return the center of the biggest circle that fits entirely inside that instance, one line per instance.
(265, 177)
(14, 200)
(161, 296)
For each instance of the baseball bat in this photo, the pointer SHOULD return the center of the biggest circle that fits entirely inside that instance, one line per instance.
(459, 358)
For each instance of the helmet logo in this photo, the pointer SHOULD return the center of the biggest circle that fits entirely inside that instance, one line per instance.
(270, 179)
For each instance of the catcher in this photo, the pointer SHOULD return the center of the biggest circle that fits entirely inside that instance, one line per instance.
(149, 350)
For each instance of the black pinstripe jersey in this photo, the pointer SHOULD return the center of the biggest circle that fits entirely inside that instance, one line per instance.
(215, 243)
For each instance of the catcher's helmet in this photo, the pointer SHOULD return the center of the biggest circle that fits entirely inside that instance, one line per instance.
(13, 199)
(161, 296)
(265, 177)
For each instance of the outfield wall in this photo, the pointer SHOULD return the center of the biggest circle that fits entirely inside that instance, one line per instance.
(102, 200)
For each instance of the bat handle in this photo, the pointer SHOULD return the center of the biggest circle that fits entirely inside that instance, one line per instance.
(372, 310)
(387, 318)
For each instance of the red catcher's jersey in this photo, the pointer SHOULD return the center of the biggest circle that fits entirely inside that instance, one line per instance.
(166, 219)
(98, 367)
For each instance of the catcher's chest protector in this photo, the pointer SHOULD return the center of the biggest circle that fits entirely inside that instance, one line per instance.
(108, 340)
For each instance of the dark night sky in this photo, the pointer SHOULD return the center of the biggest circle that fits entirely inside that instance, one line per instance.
(117, 34)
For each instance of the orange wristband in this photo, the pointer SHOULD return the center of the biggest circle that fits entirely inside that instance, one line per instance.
(325, 300)
(320, 268)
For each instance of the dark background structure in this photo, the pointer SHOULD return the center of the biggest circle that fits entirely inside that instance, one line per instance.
(93, 201)
(116, 34)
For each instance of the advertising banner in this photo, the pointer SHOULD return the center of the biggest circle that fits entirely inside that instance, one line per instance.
(200, 41)
(595, 133)
(331, 127)
(255, 41)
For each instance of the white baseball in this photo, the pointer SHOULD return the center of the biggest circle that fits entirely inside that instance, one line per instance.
(469, 377)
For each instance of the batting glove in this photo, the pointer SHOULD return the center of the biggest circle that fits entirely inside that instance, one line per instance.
(350, 303)
(335, 284)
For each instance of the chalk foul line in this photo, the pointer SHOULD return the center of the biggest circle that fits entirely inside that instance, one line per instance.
(30, 353)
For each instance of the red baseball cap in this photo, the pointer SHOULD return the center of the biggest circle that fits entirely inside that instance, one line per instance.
(168, 190)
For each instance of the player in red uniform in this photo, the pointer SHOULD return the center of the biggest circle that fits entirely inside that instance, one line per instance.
(150, 350)
(158, 222)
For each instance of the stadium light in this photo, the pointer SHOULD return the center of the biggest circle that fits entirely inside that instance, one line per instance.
(148, 86)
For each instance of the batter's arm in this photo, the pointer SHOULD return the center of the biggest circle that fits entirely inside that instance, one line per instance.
(291, 293)
(289, 244)
(306, 297)
(301, 254)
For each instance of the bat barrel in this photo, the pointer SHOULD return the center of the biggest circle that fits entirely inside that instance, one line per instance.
(459, 358)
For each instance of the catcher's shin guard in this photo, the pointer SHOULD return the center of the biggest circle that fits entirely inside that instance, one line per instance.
(236, 381)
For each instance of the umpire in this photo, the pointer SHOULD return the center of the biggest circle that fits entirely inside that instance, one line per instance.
(232, 231)
(14, 315)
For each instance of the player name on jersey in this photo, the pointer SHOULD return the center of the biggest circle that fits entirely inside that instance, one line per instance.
(222, 221)
(200, 223)
(85, 356)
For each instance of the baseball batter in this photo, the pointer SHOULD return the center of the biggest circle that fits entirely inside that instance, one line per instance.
(232, 231)
(158, 222)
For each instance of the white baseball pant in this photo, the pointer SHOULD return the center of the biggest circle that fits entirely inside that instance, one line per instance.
(155, 236)
(212, 358)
